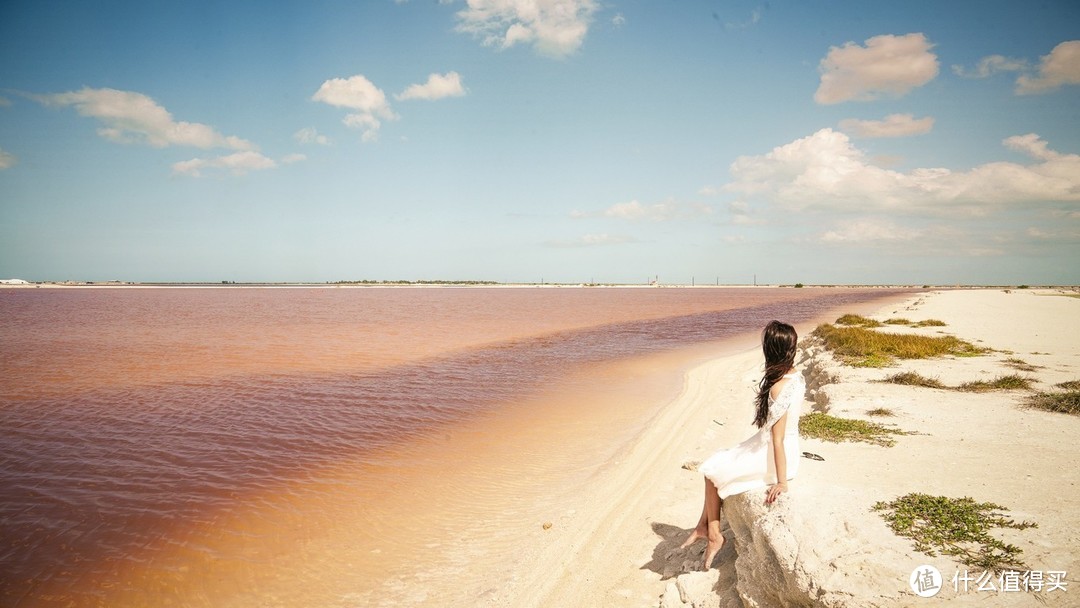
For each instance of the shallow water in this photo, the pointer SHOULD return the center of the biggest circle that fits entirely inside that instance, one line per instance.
(278, 446)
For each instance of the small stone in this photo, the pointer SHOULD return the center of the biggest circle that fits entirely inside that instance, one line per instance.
(547, 525)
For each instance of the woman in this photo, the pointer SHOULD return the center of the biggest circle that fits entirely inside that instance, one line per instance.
(770, 457)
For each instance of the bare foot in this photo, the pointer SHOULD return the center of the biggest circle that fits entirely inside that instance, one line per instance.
(698, 533)
(712, 548)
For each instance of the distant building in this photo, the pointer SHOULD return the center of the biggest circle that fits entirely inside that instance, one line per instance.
(13, 282)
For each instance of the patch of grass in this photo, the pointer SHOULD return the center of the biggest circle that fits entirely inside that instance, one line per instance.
(1007, 383)
(909, 322)
(857, 321)
(1067, 402)
(914, 379)
(830, 428)
(1020, 364)
(880, 411)
(862, 347)
(955, 526)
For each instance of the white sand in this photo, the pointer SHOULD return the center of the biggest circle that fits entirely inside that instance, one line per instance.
(987, 446)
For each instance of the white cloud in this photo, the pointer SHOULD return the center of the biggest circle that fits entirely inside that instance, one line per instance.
(1060, 67)
(618, 20)
(436, 87)
(659, 212)
(708, 191)
(131, 117)
(990, 65)
(555, 28)
(888, 64)
(7, 160)
(1065, 235)
(826, 171)
(237, 163)
(593, 240)
(289, 159)
(308, 135)
(894, 125)
(866, 230)
(1032, 145)
(357, 93)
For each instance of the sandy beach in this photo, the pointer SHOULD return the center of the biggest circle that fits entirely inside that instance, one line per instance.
(623, 552)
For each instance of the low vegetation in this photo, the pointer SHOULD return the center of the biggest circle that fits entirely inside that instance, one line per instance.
(1020, 364)
(909, 323)
(859, 346)
(1009, 383)
(1066, 401)
(880, 411)
(857, 321)
(958, 527)
(914, 379)
(818, 425)
(1004, 383)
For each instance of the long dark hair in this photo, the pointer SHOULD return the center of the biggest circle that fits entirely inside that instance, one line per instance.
(778, 342)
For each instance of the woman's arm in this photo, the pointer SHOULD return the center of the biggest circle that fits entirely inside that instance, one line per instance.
(779, 458)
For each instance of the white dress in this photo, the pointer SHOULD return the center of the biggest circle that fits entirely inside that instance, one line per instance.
(750, 465)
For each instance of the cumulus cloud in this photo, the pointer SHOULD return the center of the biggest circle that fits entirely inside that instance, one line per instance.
(894, 125)
(988, 66)
(436, 87)
(593, 240)
(555, 28)
(1059, 68)
(359, 94)
(309, 135)
(237, 163)
(659, 212)
(7, 159)
(130, 117)
(865, 230)
(927, 239)
(826, 171)
(886, 65)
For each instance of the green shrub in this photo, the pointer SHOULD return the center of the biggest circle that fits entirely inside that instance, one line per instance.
(955, 526)
(1008, 383)
(818, 425)
(858, 321)
(859, 346)
(914, 379)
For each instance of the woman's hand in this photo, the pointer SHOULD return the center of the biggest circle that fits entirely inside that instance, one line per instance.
(774, 492)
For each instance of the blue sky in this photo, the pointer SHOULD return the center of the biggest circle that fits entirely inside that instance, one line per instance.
(563, 140)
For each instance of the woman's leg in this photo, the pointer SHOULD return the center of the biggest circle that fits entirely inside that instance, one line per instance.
(713, 505)
(701, 530)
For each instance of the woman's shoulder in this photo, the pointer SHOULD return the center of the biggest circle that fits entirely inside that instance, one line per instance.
(793, 377)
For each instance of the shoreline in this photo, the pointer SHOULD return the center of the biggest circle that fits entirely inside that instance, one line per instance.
(624, 556)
